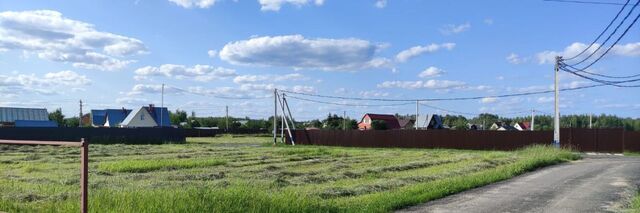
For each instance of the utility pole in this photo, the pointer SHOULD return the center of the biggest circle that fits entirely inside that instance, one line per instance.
(415, 124)
(344, 120)
(533, 119)
(556, 119)
(162, 107)
(226, 129)
(590, 119)
(275, 115)
(80, 120)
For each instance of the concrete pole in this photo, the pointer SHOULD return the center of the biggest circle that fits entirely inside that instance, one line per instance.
(533, 119)
(80, 120)
(590, 119)
(344, 120)
(556, 119)
(162, 107)
(415, 124)
(226, 109)
(275, 115)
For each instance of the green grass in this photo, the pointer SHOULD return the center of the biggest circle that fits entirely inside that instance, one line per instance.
(248, 174)
(635, 204)
(633, 154)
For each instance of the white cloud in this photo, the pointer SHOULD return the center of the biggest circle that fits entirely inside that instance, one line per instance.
(546, 99)
(429, 84)
(488, 100)
(419, 50)
(625, 50)
(51, 36)
(516, 59)
(455, 29)
(197, 72)
(48, 84)
(297, 52)
(431, 72)
(373, 94)
(194, 3)
(275, 5)
(131, 101)
(242, 79)
(380, 3)
(139, 89)
(212, 53)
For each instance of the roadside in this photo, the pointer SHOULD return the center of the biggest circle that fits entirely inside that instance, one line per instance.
(597, 183)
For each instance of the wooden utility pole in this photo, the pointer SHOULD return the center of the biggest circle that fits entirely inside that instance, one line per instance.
(344, 120)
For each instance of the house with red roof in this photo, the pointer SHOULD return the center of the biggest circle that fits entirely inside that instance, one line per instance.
(390, 120)
(522, 126)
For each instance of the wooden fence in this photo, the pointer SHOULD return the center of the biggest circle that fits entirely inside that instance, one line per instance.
(588, 140)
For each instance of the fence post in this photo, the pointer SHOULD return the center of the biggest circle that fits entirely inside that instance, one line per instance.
(84, 174)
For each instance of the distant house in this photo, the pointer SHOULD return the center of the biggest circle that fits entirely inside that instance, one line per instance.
(522, 126)
(406, 123)
(501, 126)
(390, 120)
(108, 117)
(25, 117)
(430, 121)
(149, 116)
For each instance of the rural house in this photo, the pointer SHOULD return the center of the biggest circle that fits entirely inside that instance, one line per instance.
(390, 120)
(25, 117)
(406, 123)
(501, 126)
(149, 116)
(522, 126)
(430, 121)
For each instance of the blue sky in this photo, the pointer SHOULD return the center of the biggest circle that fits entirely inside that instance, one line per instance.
(114, 54)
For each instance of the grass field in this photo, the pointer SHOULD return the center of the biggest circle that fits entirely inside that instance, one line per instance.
(247, 174)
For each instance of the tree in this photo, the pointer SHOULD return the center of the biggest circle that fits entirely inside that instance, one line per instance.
(379, 125)
(57, 116)
(178, 117)
(72, 122)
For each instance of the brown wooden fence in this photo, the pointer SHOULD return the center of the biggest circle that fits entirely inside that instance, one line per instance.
(588, 140)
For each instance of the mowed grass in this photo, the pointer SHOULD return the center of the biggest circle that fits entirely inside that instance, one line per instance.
(248, 174)
(635, 204)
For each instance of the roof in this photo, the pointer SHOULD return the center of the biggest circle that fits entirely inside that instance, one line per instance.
(115, 116)
(430, 121)
(127, 121)
(390, 120)
(405, 122)
(31, 123)
(11, 114)
(160, 114)
(524, 125)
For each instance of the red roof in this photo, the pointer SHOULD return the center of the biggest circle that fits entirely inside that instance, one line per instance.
(525, 125)
(390, 120)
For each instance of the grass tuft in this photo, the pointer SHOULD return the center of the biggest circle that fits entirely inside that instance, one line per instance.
(138, 166)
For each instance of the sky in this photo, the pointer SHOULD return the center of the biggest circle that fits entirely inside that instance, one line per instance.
(216, 53)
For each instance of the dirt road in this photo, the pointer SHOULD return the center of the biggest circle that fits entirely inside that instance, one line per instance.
(597, 183)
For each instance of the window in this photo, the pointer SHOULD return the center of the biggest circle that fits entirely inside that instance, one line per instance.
(142, 117)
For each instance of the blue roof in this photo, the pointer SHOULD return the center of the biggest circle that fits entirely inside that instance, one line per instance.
(115, 116)
(11, 114)
(160, 113)
(31, 123)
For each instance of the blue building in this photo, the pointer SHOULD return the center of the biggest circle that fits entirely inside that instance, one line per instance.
(116, 117)
(25, 117)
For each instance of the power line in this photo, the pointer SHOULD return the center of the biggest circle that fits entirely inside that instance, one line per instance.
(611, 34)
(602, 75)
(347, 104)
(215, 96)
(446, 99)
(602, 33)
(585, 2)
(603, 82)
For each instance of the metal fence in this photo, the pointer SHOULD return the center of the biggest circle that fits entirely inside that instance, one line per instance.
(96, 135)
(590, 140)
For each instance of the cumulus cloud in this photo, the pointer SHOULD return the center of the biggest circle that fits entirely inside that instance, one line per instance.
(246, 90)
(624, 50)
(488, 100)
(516, 59)
(297, 52)
(242, 79)
(455, 29)
(51, 36)
(380, 4)
(431, 72)
(212, 53)
(275, 5)
(194, 3)
(429, 84)
(407, 54)
(197, 72)
(23, 83)
(373, 94)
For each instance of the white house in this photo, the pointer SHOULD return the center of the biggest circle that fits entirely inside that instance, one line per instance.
(139, 118)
